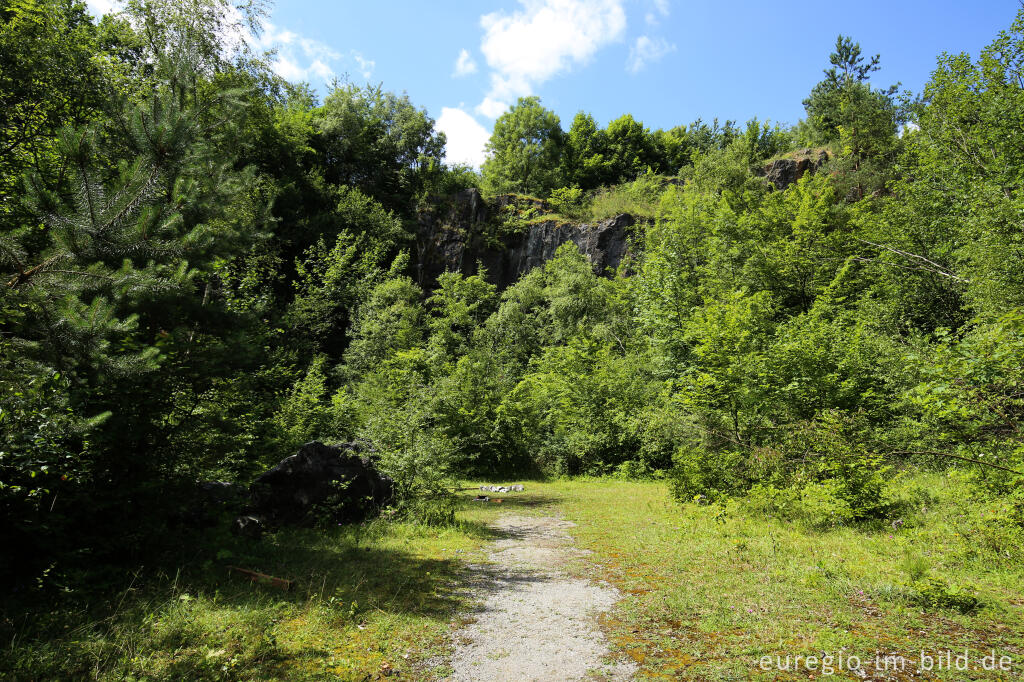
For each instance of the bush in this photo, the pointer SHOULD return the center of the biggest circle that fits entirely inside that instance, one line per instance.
(824, 504)
(843, 468)
(709, 475)
(634, 469)
(767, 500)
(44, 455)
(568, 202)
(639, 198)
(822, 475)
(306, 414)
(936, 593)
(969, 403)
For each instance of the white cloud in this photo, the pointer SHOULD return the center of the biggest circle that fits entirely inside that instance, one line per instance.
(296, 58)
(322, 70)
(491, 108)
(466, 137)
(646, 50)
(545, 38)
(366, 66)
(286, 68)
(660, 11)
(98, 8)
(464, 65)
(271, 37)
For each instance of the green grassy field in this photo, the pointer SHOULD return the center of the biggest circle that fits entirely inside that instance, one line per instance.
(366, 600)
(707, 593)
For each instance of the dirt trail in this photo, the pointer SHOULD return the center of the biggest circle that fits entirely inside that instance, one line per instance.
(534, 622)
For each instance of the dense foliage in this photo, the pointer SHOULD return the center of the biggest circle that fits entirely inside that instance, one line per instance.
(204, 266)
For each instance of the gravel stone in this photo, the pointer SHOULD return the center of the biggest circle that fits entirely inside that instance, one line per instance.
(534, 622)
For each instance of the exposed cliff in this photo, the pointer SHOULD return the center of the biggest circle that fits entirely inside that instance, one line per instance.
(460, 231)
(784, 172)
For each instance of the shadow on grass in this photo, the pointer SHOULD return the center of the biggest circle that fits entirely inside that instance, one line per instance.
(346, 567)
(339, 577)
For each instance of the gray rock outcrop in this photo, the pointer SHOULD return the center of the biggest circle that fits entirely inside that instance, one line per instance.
(459, 233)
(784, 172)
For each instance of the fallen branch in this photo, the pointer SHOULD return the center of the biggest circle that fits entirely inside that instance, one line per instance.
(931, 266)
(962, 459)
(263, 578)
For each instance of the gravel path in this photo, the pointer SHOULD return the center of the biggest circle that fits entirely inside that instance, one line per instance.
(534, 622)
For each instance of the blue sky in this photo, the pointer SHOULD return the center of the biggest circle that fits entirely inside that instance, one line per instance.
(667, 62)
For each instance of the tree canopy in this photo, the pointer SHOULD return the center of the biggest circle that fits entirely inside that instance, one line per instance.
(204, 266)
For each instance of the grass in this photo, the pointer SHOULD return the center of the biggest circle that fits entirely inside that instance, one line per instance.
(707, 592)
(367, 600)
(710, 591)
(800, 153)
(640, 198)
(614, 201)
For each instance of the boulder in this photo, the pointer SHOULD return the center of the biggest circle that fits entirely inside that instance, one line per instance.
(319, 483)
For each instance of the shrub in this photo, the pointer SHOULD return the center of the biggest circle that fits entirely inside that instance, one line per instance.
(768, 500)
(305, 414)
(639, 198)
(936, 593)
(568, 202)
(824, 504)
(634, 469)
(711, 475)
(843, 467)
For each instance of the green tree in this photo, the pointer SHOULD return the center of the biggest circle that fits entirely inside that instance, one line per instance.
(862, 120)
(965, 190)
(458, 307)
(585, 157)
(825, 105)
(111, 284)
(50, 79)
(332, 281)
(524, 151)
(391, 320)
(631, 149)
(377, 141)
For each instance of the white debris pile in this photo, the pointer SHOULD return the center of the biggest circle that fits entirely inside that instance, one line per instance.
(502, 488)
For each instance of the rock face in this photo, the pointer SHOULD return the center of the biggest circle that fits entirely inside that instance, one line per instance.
(459, 233)
(784, 172)
(319, 479)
